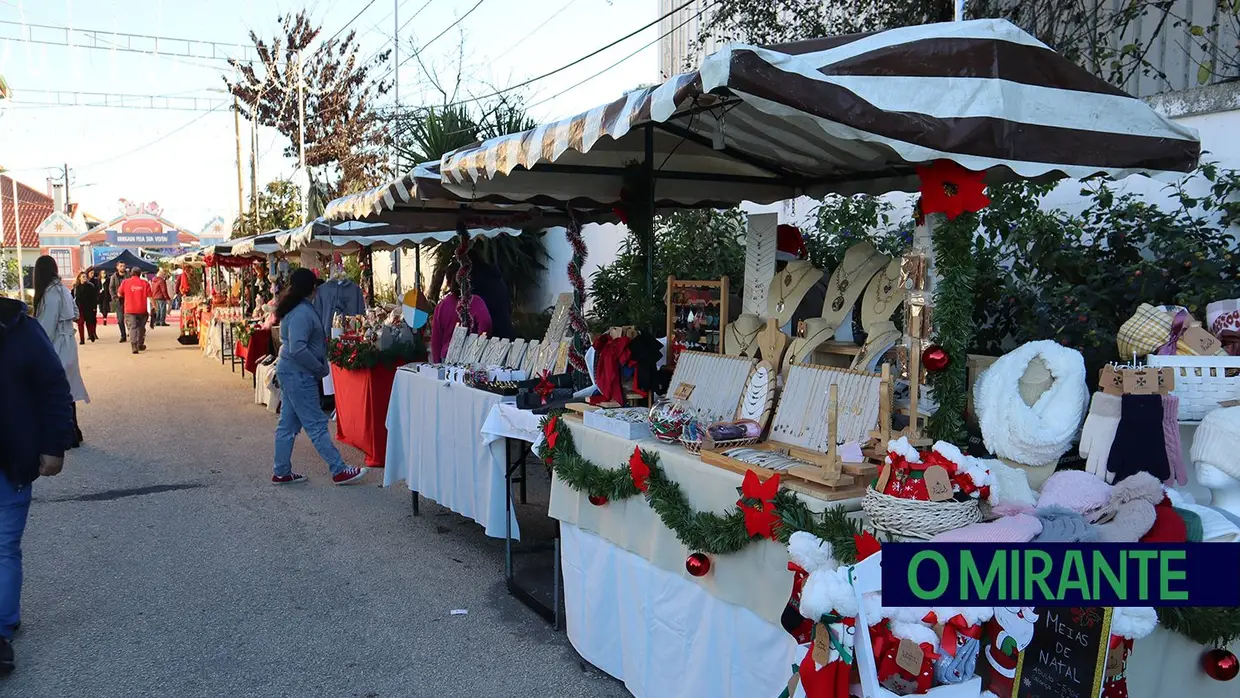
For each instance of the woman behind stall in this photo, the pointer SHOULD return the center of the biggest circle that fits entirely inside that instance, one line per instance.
(86, 295)
(56, 311)
(105, 295)
(446, 319)
(301, 368)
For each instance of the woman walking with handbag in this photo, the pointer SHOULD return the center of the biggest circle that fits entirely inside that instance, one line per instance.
(56, 311)
(105, 295)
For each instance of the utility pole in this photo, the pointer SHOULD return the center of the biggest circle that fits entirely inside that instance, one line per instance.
(17, 233)
(67, 206)
(301, 136)
(254, 163)
(240, 181)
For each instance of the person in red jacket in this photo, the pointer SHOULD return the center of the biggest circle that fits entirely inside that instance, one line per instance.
(160, 295)
(134, 293)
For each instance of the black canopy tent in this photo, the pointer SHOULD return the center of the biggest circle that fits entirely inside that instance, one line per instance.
(130, 260)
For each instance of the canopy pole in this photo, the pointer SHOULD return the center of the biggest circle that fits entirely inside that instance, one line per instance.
(465, 286)
(648, 242)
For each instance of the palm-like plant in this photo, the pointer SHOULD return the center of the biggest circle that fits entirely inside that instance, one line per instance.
(423, 135)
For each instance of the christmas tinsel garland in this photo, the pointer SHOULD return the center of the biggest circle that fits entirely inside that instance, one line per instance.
(1208, 626)
(576, 318)
(953, 324)
(356, 355)
(700, 531)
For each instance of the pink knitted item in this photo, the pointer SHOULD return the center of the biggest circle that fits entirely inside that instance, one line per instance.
(1076, 490)
(1020, 528)
(1133, 520)
(1171, 434)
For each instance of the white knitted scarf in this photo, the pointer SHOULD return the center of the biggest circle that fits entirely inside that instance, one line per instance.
(1040, 434)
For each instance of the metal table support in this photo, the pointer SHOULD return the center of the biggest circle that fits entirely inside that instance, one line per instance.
(551, 615)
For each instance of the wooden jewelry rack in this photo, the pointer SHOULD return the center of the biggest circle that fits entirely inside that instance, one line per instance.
(714, 307)
(711, 382)
(825, 475)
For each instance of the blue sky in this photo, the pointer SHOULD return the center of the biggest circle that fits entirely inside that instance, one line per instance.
(186, 161)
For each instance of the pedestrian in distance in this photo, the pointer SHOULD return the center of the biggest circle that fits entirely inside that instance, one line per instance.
(105, 295)
(135, 294)
(36, 427)
(86, 295)
(57, 313)
(301, 368)
(160, 297)
(118, 307)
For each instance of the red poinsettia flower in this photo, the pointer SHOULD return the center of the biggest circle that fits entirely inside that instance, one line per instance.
(950, 189)
(639, 470)
(761, 519)
(866, 544)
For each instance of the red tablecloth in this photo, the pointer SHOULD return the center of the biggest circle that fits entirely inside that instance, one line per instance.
(361, 409)
(260, 346)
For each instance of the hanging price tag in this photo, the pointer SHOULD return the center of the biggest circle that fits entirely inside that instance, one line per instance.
(884, 476)
(938, 483)
(1140, 381)
(822, 645)
(909, 656)
(1200, 342)
(683, 391)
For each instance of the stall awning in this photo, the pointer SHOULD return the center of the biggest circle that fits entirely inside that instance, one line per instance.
(350, 236)
(257, 245)
(420, 203)
(845, 114)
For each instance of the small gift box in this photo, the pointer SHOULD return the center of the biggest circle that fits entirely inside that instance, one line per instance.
(1164, 330)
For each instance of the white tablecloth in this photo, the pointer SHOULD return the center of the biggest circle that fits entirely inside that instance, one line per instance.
(436, 445)
(664, 635)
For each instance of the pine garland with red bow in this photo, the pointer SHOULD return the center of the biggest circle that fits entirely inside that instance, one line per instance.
(763, 510)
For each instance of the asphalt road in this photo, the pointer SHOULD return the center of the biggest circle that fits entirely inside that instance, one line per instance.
(162, 562)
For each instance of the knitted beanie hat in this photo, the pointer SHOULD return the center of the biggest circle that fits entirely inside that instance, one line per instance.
(1169, 526)
(1195, 530)
(1061, 525)
(1132, 521)
(1075, 490)
(1217, 441)
(1020, 528)
(1140, 486)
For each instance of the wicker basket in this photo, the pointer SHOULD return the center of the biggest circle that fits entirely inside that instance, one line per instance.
(1202, 382)
(916, 519)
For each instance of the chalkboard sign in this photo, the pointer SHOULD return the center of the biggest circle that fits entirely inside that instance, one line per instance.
(1067, 656)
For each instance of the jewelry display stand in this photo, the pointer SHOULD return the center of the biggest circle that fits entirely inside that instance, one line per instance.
(761, 243)
(861, 262)
(557, 329)
(788, 289)
(815, 332)
(712, 383)
(531, 357)
(456, 345)
(741, 338)
(697, 314)
(516, 354)
(772, 343)
(795, 433)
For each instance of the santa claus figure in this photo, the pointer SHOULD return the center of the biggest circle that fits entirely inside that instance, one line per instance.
(1009, 633)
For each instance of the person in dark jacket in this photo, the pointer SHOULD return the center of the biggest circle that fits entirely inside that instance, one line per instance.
(490, 286)
(105, 295)
(86, 295)
(36, 428)
(118, 305)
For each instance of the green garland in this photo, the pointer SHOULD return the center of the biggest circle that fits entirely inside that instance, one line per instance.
(1208, 626)
(357, 355)
(700, 531)
(953, 324)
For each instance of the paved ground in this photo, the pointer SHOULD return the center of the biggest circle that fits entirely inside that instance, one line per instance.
(162, 563)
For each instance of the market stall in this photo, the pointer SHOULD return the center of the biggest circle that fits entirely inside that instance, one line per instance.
(941, 109)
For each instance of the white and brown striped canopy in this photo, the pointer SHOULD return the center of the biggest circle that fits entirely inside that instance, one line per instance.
(846, 114)
(419, 203)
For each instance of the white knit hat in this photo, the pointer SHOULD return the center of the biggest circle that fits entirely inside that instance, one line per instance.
(1217, 441)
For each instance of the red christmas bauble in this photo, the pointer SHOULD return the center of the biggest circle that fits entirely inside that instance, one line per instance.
(597, 500)
(935, 358)
(1220, 665)
(697, 564)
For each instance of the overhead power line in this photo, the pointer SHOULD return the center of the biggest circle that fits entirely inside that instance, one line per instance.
(449, 28)
(566, 66)
(67, 98)
(535, 30)
(106, 40)
(346, 24)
